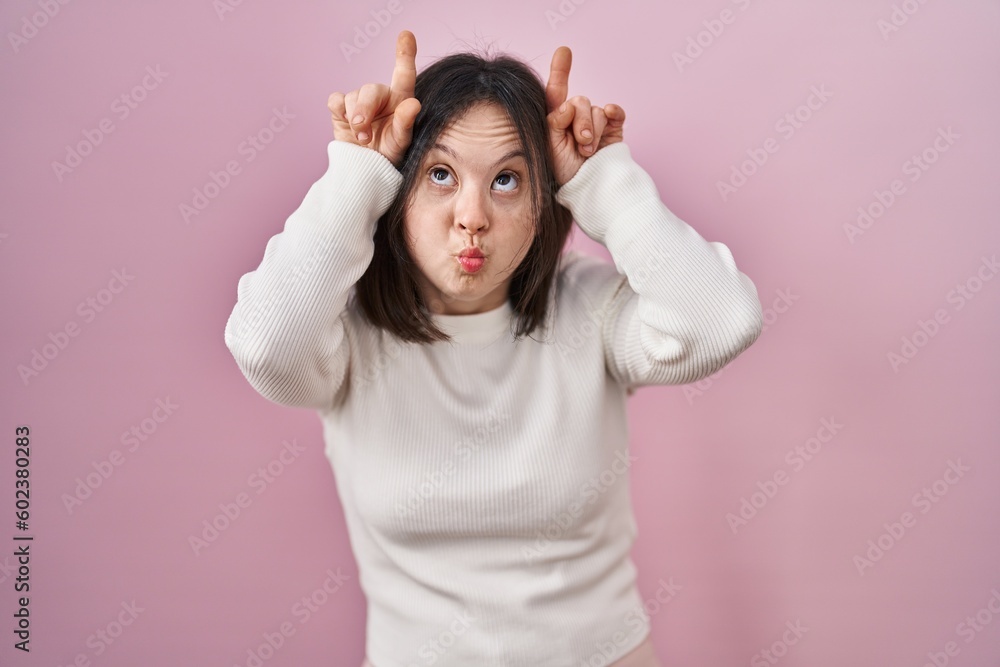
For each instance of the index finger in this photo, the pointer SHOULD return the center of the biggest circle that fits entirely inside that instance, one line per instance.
(404, 75)
(557, 87)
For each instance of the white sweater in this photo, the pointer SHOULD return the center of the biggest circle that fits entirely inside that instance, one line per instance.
(485, 480)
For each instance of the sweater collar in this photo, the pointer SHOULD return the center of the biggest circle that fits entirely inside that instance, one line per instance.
(483, 327)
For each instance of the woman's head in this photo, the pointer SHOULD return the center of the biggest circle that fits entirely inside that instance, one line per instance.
(477, 174)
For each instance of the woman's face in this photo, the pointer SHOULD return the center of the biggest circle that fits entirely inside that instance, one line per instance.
(472, 192)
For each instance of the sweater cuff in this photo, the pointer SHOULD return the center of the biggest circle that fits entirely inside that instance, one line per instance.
(604, 188)
(364, 171)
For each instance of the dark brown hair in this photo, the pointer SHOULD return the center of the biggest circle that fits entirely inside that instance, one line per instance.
(388, 291)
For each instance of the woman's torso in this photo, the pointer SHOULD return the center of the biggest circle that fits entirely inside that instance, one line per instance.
(499, 492)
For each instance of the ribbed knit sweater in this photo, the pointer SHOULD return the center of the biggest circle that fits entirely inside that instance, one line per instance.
(485, 480)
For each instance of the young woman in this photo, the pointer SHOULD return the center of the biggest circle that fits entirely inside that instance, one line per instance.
(471, 377)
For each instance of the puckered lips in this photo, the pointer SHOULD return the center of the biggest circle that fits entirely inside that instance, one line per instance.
(471, 259)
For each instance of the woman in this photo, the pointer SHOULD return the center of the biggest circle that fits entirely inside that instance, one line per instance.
(483, 470)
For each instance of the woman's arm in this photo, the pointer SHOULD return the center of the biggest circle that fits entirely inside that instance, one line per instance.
(686, 310)
(286, 331)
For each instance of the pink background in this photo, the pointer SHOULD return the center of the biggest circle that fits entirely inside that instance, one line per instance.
(703, 448)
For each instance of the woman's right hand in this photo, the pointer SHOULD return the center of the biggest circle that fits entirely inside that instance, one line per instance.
(378, 116)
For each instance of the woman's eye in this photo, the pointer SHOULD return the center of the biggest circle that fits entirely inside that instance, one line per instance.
(509, 181)
(435, 172)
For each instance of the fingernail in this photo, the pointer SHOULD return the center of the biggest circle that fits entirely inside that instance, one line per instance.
(358, 119)
(586, 134)
(362, 136)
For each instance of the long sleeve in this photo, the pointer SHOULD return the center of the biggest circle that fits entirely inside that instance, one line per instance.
(685, 310)
(286, 331)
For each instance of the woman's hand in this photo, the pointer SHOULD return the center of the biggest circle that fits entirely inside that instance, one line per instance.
(577, 129)
(379, 116)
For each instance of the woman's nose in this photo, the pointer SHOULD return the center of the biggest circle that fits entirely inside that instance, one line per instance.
(471, 211)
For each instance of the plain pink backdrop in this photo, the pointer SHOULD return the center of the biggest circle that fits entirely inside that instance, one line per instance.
(838, 304)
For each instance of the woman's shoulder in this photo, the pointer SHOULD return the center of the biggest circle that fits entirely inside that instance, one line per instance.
(588, 283)
(580, 272)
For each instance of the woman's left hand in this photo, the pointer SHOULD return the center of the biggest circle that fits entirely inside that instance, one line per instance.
(577, 129)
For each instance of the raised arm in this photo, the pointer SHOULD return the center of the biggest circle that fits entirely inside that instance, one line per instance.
(286, 331)
(685, 310)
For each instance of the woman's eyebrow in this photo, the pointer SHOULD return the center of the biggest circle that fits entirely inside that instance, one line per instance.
(507, 156)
